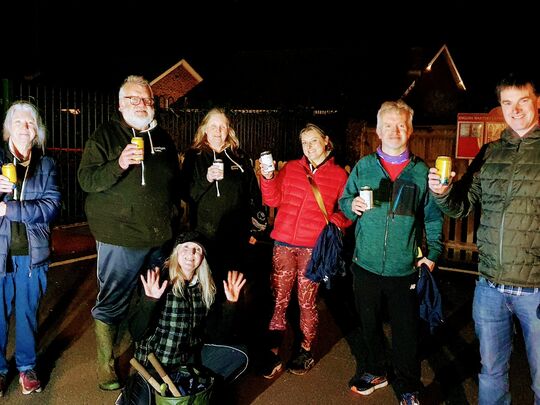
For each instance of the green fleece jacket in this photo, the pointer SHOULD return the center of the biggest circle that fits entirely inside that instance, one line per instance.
(121, 211)
(389, 234)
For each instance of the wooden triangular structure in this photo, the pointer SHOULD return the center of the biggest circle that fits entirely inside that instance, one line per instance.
(175, 83)
(453, 70)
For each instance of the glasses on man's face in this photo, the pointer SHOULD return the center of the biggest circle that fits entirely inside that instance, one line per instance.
(135, 100)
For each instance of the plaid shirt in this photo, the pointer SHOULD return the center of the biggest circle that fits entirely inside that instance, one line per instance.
(512, 289)
(179, 329)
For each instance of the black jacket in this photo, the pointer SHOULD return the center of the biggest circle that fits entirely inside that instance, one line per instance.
(225, 218)
(119, 209)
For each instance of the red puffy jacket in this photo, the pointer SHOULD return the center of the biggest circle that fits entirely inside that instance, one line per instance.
(299, 220)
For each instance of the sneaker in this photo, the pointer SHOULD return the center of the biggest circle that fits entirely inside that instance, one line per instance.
(272, 366)
(410, 398)
(29, 382)
(302, 363)
(3, 384)
(368, 383)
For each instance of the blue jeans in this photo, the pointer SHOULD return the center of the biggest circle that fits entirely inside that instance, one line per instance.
(21, 290)
(493, 317)
(227, 362)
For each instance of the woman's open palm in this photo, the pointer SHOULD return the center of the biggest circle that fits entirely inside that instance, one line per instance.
(151, 284)
(233, 285)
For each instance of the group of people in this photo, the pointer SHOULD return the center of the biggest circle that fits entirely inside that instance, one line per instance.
(177, 288)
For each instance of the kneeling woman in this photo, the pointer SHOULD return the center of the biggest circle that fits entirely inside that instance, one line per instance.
(170, 318)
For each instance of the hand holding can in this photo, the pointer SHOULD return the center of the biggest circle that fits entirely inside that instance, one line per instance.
(443, 164)
(218, 164)
(10, 171)
(267, 162)
(366, 193)
(139, 141)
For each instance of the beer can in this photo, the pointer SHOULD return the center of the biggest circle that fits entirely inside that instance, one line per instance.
(443, 164)
(219, 164)
(10, 171)
(267, 161)
(139, 141)
(367, 195)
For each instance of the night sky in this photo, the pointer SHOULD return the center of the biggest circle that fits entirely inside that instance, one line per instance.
(273, 52)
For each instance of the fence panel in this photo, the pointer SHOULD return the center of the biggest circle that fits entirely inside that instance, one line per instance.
(71, 115)
(428, 143)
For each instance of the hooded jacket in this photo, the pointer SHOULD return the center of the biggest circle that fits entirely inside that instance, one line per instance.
(37, 206)
(225, 217)
(505, 179)
(121, 211)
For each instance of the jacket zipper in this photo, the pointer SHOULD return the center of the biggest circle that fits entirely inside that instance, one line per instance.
(392, 208)
(505, 206)
(386, 225)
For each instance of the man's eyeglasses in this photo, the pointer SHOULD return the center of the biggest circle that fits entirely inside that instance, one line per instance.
(134, 100)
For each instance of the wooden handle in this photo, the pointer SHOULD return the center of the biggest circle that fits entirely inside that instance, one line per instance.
(163, 374)
(145, 374)
(157, 365)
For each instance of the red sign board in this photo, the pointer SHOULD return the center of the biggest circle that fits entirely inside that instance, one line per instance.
(476, 129)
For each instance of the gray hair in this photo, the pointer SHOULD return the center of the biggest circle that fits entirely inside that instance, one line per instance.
(22, 105)
(394, 106)
(136, 80)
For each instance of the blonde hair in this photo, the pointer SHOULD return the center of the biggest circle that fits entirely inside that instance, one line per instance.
(319, 131)
(200, 140)
(397, 106)
(202, 272)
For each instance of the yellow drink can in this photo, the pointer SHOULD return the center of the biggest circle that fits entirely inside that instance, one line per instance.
(10, 171)
(139, 141)
(443, 164)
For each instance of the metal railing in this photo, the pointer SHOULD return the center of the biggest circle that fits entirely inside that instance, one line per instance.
(72, 115)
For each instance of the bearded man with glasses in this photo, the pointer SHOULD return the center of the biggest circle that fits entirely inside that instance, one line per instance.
(131, 206)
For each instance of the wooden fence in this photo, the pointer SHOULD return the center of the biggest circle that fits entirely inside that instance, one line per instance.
(459, 235)
(71, 115)
(428, 142)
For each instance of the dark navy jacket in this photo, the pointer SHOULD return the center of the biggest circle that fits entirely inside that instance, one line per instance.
(430, 299)
(38, 205)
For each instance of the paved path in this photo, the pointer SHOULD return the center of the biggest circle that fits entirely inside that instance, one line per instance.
(67, 349)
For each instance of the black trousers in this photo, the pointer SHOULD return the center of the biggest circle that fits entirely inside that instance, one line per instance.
(399, 294)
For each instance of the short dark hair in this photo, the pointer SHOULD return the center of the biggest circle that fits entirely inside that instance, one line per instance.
(514, 79)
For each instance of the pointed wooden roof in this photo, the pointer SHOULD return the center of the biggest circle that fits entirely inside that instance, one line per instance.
(427, 69)
(175, 82)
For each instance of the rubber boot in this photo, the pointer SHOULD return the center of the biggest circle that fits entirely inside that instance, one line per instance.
(105, 337)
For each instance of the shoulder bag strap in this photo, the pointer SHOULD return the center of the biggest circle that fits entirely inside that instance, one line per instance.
(318, 196)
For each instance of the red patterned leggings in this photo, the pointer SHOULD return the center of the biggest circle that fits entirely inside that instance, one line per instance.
(289, 265)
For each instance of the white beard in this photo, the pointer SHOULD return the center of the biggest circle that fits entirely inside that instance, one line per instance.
(138, 122)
